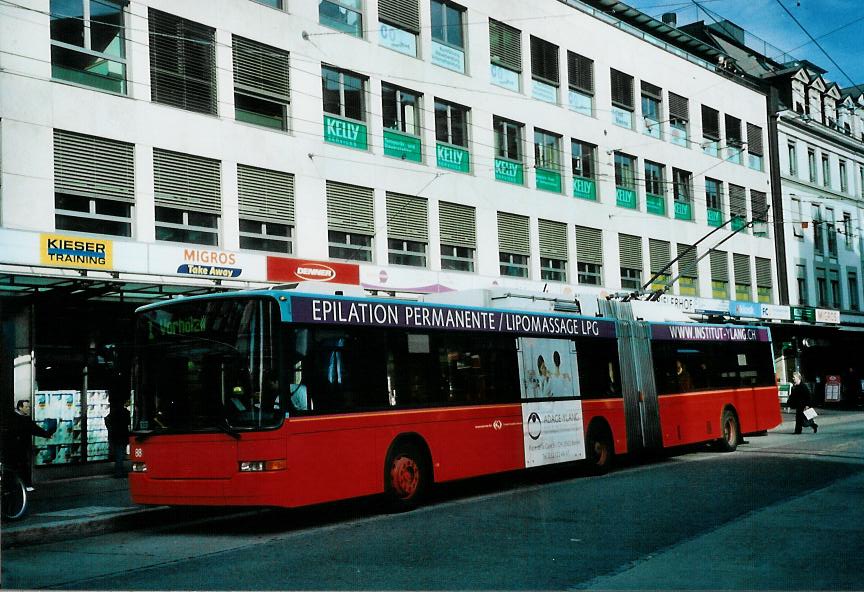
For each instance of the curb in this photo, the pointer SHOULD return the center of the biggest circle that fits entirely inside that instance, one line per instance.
(58, 530)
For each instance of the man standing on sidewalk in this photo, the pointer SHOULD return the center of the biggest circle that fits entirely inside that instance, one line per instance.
(117, 422)
(19, 449)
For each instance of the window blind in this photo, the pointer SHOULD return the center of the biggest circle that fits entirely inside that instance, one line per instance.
(457, 224)
(265, 195)
(505, 45)
(733, 131)
(350, 208)
(93, 166)
(630, 249)
(261, 68)
(544, 60)
(710, 123)
(719, 266)
(687, 264)
(622, 89)
(407, 217)
(186, 181)
(580, 72)
(660, 253)
(404, 14)
(553, 239)
(679, 107)
(652, 90)
(754, 139)
(513, 234)
(763, 272)
(741, 265)
(589, 245)
(737, 201)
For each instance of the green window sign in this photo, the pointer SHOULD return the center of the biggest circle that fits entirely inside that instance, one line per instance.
(584, 188)
(625, 198)
(453, 158)
(548, 180)
(715, 217)
(509, 171)
(683, 210)
(738, 222)
(402, 146)
(345, 133)
(804, 313)
(655, 204)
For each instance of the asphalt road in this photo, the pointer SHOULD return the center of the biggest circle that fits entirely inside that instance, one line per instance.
(784, 512)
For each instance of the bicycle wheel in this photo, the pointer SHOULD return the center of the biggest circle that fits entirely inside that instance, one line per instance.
(14, 496)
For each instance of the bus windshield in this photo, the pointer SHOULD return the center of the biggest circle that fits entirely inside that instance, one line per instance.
(208, 365)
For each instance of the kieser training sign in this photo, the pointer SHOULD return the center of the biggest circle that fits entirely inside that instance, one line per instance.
(387, 314)
(75, 251)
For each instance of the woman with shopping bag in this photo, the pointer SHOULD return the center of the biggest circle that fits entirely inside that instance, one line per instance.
(800, 399)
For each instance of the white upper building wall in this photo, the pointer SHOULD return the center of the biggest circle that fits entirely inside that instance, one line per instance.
(32, 106)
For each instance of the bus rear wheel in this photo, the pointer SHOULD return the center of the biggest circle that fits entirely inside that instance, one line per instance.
(731, 431)
(407, 477)
(600, 449)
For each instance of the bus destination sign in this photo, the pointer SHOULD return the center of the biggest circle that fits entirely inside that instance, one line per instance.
(413, 316)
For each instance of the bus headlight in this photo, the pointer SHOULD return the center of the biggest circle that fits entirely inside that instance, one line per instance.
(139, 467)
(255, 466)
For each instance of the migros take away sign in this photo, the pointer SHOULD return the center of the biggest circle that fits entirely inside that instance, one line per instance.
(76, 252)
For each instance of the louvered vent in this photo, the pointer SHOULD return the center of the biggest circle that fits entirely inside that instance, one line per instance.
(93, 167)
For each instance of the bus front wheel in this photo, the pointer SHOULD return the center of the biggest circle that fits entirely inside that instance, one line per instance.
(731, 431)
(407, 476)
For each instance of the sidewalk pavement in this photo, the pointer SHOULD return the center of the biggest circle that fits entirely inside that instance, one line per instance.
(85, 506)
(77, 507)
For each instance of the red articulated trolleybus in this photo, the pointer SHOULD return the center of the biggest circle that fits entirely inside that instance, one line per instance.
(281, 398)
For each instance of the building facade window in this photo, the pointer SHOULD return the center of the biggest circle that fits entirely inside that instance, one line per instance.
(763, 280)
(852, 286)
(266, 208)
(582, 160)
(688, 271)
(553, 250)
(625, 181)
(831, 231)
(580, 76)
(660, 255)
(792, 153)
(630, 253)
(350, 222)
(719, 274)
(342, 15)
(400, 110)
(844, 181)
(743, 285)
(547, 160)
(182, 63)
(755, 158)
(811, 165)
(514, 248)
(399, 22)
(679, 120)
(589, 256)
(847, 230)
(622, 98)
(797, 219)
(801, 276)
(734, 143)
(186, 212)
(344, 104)
(457, 224)
(505, 55)
(821, 287)
(759, 212)
(652, 109)
(407, 229)
(710, 131)
(655, 188)
(714, 201)
(544, 70)
(834, 285)
(682, 186)
(509, 159)
(88, 44)
(451, 133)
(448, 35)
(261, 84)
(270, 3)
(826, 171)
(738, 207)
(818, 230)
(94, 184)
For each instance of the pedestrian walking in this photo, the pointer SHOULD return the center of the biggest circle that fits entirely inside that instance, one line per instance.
(18, 451)
(117, 422)
(800, 399)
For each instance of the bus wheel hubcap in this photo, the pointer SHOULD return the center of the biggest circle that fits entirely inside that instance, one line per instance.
(405, 476)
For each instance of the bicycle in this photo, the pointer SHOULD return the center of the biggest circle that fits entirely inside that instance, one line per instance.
(13, 492)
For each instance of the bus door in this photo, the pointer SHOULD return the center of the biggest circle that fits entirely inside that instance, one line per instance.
(640, 391)
(552, 424)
